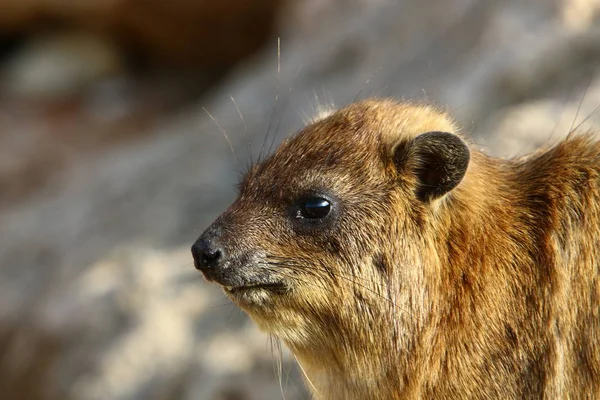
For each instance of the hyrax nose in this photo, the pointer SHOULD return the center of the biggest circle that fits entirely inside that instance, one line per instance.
(208, 254)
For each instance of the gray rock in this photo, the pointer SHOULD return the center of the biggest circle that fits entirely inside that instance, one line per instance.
(97, 265)
(52, 67)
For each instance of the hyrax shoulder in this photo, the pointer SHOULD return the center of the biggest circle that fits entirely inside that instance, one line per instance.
(398, 261)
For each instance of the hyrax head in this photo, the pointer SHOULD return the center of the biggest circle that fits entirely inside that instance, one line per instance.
(327, 223)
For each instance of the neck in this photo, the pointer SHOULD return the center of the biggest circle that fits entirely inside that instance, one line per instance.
(490, 241)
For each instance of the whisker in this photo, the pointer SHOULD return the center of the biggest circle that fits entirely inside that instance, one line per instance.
(327, 270)
(594, 111)
(264, 144)
(187, 265)
(249, 143)
(371, 76)
(563, 106)
(224, 134)
(294, 277)
(277, 94)
(579, 107)
(372, 291)
(315, 391)
(239, 113)
(279, 359)
(285, 107)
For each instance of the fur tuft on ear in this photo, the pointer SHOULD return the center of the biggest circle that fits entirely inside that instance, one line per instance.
(438, 159)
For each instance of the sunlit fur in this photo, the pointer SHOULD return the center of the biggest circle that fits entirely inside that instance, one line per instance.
(491, 291)
(321, 111)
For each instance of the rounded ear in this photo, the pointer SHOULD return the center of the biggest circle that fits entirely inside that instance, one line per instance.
(438, 159)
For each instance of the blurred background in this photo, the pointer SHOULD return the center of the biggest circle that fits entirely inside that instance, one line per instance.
(113, 159)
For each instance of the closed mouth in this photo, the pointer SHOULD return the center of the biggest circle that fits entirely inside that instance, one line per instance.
(278, 288)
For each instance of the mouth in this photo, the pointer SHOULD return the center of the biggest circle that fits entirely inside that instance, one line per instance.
(277, 288)
(255, 296)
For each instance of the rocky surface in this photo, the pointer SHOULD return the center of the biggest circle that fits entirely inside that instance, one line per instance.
(98, 296)
(199, 33)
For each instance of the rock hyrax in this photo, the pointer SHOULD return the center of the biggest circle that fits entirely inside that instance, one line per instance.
(397, 261)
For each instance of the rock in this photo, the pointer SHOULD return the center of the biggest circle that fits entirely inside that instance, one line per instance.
(523, 128)
(95, 268)
(199, 34)
(61, 65)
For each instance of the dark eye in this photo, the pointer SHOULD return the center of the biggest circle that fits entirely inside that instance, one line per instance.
(315, 208)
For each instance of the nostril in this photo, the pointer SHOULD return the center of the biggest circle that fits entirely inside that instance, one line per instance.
(212, 255)
(206, 254)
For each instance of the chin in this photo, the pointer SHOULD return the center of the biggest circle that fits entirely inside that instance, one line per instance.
(250, 296)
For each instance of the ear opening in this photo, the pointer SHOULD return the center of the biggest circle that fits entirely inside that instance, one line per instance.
(439, 161)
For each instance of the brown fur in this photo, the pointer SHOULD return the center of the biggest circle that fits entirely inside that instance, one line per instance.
(489, 292)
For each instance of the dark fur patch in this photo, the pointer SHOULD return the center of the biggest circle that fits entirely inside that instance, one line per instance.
(511, 335)
(380, 264)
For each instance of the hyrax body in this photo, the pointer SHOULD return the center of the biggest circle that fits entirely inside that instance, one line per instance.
(398, 262)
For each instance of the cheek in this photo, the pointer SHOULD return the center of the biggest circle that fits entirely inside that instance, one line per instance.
(312, 269)
(251, 231)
